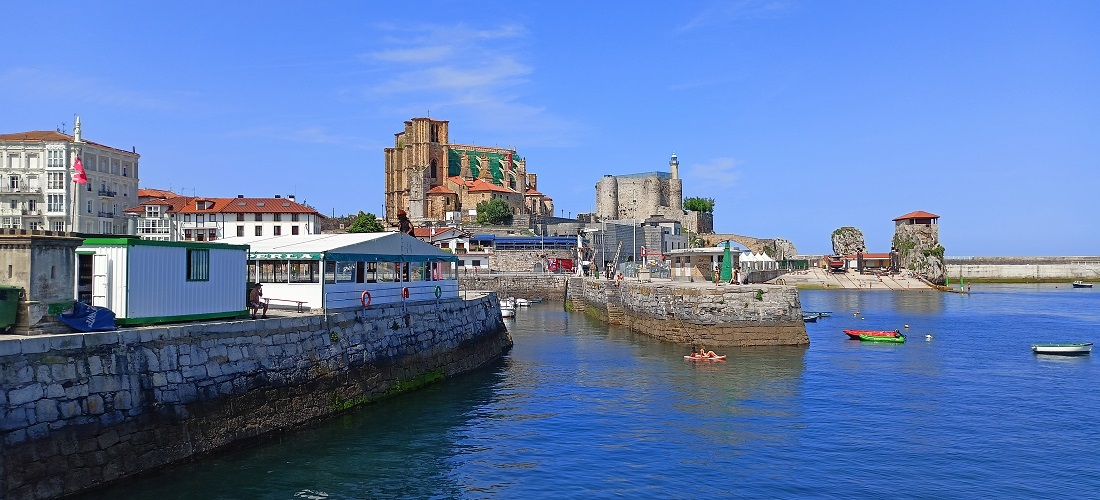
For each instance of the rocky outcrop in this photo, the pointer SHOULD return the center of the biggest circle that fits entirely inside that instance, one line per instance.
(779, 249)
(848, 241)
(920, 251)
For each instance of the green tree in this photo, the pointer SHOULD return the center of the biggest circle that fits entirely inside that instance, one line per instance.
(494, 212)
(697, 204)
(366, 223)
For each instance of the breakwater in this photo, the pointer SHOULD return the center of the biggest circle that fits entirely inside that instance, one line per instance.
(84, 410)
(723, 316)
(1033, 269)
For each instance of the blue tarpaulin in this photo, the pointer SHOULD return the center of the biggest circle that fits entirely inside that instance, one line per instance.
(86, 318)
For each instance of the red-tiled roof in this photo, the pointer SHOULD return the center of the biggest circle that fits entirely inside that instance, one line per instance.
(532, 192)
(155, 193)
(186, 205)
(480, 185)
(440, 190)
(50, 135)
(919, 214)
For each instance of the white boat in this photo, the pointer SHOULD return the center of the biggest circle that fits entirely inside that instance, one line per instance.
(1064, 349)
(508, 307)
(1081, 284)
(523, 302)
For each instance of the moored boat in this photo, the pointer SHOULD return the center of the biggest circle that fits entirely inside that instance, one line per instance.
(855, 334)
(508, 307)
(894, 339)
(1081, 284)
(1062, 348)
(523, 302)
(706, 358)
(810, 317)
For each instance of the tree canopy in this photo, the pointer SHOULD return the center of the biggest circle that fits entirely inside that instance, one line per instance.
(698, 204)
(366, 223)
(494, 212)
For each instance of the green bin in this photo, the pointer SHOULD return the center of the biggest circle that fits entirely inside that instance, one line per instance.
(9, 305)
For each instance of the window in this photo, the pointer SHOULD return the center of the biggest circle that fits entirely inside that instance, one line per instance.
(32, 205)
(55, 180)
(187, 217)
(200, 218)
(89, 206)
(152, 210)
(273, 271)
(293, 217)
(258, 217)
(55, 158)
(305, 271)
(58, 225)
(198, 264)
(187, 234)
(293, 229)
(240, 230)
(278, 230)
(276, 217)
(259, 230)
(240, 216)
(125, 167)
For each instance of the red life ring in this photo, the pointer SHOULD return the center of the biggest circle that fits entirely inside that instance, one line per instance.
(365, 298)
(405, 293)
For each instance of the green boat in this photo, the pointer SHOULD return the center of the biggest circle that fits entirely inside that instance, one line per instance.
(882, 338)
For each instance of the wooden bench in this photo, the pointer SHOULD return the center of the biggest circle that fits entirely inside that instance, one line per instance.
(267, 300)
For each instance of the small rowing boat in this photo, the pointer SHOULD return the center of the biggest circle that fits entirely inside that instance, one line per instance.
(855, 334)
(898, 339)
(706, 358)
(1064, 349)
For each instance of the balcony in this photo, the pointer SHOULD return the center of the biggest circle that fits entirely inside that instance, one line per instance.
(21, 189)
(108, 194)
(109, 215)
(20, 211)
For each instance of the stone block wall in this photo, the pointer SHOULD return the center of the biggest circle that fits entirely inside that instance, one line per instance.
(82, 410)
(529, 286)
(511, 261)
(726, 316)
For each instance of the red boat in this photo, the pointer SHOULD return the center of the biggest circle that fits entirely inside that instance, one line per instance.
(854, 334)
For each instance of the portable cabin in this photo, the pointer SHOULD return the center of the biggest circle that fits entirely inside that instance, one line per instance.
(148, 281)
(336, 271)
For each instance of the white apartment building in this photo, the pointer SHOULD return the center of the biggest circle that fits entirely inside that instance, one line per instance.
(189, 218)
(37, 189)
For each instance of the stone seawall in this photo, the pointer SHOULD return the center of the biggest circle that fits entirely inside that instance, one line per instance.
(546, 286)
(83, 410)
(726, 316)
(1023, 268)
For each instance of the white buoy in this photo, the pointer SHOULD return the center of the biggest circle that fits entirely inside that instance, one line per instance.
(928, 338)
(907, 326)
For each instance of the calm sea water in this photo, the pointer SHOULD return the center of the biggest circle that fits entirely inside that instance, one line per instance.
(580, 409)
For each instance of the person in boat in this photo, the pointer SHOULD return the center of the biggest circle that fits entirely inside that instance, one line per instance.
(704, 353)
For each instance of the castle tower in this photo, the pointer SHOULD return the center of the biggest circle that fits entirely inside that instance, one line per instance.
(76, 129)
(607, 198)
(675, 184)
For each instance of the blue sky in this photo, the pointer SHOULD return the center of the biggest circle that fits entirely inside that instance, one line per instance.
(797, 117)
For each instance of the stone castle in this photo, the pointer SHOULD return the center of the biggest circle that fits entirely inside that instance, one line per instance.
(645, 195)
(434, 180)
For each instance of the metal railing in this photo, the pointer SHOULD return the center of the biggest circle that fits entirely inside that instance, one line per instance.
(22, 188)
(107, 193)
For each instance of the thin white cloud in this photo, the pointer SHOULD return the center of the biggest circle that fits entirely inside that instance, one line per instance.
(305, 135)
(47, 83)
(719, 172)
(726, 12)
(479, 76)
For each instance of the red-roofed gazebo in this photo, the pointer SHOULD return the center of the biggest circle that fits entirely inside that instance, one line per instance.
(919, 217)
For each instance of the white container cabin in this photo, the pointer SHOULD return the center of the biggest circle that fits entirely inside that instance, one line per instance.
(339, 271)
(147, 281)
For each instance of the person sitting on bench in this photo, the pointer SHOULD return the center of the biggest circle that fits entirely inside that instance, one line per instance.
(255, 301)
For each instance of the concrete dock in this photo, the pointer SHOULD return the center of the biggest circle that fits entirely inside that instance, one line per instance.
(821, 278)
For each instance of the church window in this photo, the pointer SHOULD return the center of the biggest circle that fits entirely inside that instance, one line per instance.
(434, 169)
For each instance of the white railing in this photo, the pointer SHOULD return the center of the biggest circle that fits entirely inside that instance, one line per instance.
(392, 293)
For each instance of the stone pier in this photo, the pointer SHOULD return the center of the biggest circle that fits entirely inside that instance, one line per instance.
(695, 314)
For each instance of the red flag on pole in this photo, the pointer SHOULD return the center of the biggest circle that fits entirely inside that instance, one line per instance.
(79, 176)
